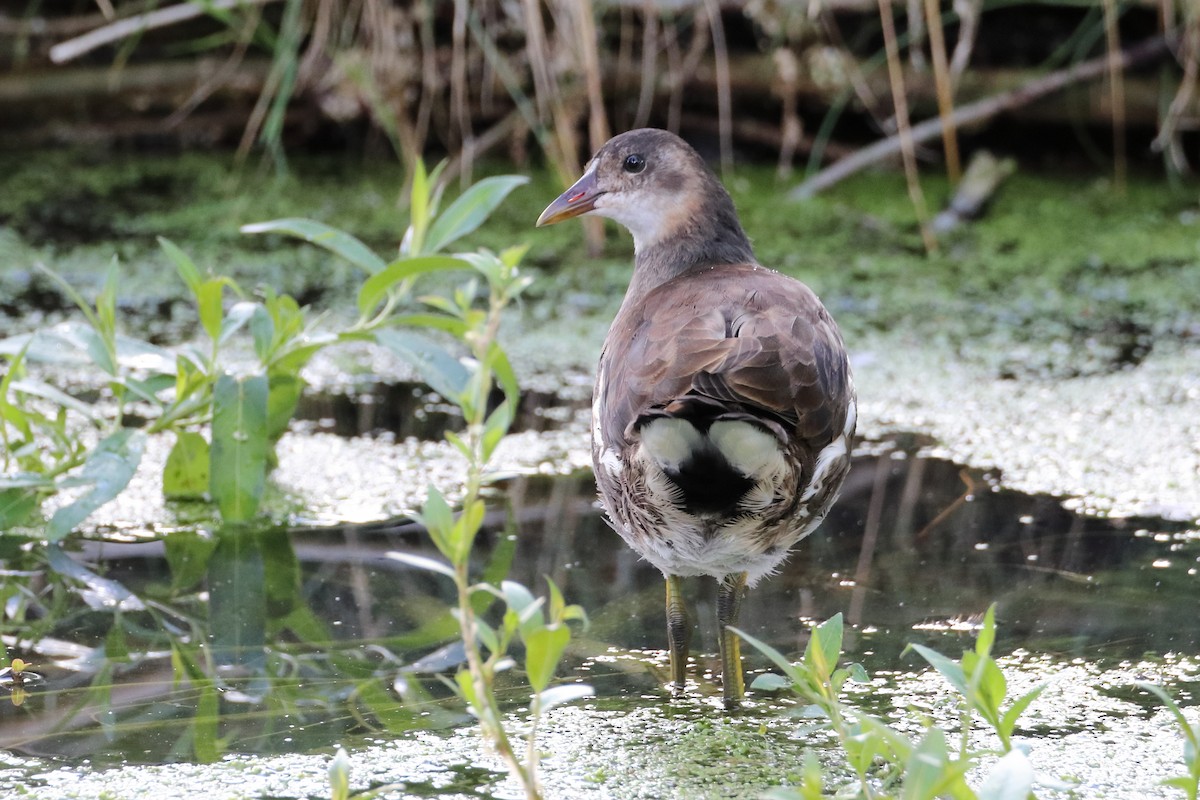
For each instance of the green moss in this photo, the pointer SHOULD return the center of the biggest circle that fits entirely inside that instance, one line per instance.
(1057, 261)
(1062, 276)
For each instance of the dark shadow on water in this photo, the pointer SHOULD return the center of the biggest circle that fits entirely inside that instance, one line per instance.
(410, 408)
(287, 641)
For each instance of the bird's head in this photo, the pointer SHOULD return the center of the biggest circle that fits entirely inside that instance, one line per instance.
(648, 180)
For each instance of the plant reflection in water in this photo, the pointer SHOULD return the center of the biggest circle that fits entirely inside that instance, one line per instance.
(289, 640)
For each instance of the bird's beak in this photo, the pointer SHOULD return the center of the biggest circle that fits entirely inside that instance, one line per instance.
(579, 199)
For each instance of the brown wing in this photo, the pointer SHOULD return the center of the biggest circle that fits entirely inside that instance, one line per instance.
(743, 339)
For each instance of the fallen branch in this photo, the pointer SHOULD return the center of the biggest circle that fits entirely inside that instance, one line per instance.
(980, 110)
(131, 26)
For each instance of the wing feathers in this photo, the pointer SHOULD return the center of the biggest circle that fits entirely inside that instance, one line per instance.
(741, 341)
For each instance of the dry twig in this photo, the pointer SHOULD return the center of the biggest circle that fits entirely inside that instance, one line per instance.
(1146, 50)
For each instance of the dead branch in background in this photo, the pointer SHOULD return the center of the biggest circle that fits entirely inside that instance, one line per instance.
(903, 128)
(945, 90)
(131, 26)
(1168, 140)
(1145, 51)
(724, 101)
(384, 62)
(1116, 88)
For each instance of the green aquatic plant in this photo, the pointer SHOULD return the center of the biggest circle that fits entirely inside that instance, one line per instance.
(54, 443)
(1189, 783)
(246, 407)
(887, 762)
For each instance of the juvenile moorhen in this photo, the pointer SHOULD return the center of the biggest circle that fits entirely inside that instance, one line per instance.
(724, 409)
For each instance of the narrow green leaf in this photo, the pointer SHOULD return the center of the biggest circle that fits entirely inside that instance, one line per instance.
(293, 357)
(1172, 706)
(451, 325)
(825, 647)
(543, 650)
(497, 361)
(206, 747)
(281, 582)
(45, 391)
(566, 693)
(282, 399)
(925, 768)
(470, 210)
(422, 562)
(987, 634)
(322, 235)
(466, 689)
(419, 205)
(188, 377)
(499, 562)
(99, 593)
(262, 330)
(376, 287)
(16, 506)
(770, 652)
(185, 475)
(183, 264)
(517, 596)
(557, 604)
(460, 444)
(98, 350)
(106, 472)
(237, 600)
(187, 555)
(238, 456)
(339, 774)
(949, 670)
(210, 306)
(466, 528)
(73, 295)
(488, 636)
(444, 373)
(1185, 782)
(438, 520)
(992, 688)
(150, 388)
(26, 480)
(771, 682)
(116, 647)
(868, 741)
(141, 355)
(233, 321)
(106, 303)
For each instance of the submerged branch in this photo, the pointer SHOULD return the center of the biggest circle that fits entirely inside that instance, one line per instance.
(981, 110)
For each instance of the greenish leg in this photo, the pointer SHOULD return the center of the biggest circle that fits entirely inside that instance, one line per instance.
(729, 603)
(679, 633)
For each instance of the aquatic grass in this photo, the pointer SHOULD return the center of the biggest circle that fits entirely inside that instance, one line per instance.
(1188, 783)
(540, 624)
(887, 762)
(247, 409)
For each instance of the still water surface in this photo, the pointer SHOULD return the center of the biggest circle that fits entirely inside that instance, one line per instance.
(291, 641)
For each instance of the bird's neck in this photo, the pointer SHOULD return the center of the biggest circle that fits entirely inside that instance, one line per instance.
(709, 237)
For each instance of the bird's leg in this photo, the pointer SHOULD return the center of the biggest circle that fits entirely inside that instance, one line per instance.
(679, 633)
(729, 603)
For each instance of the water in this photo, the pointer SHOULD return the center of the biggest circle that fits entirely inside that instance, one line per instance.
(278, 643)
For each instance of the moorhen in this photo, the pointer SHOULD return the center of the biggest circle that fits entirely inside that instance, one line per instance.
(724, 408)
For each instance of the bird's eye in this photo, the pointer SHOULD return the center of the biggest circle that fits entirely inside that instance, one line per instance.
(634, 164)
